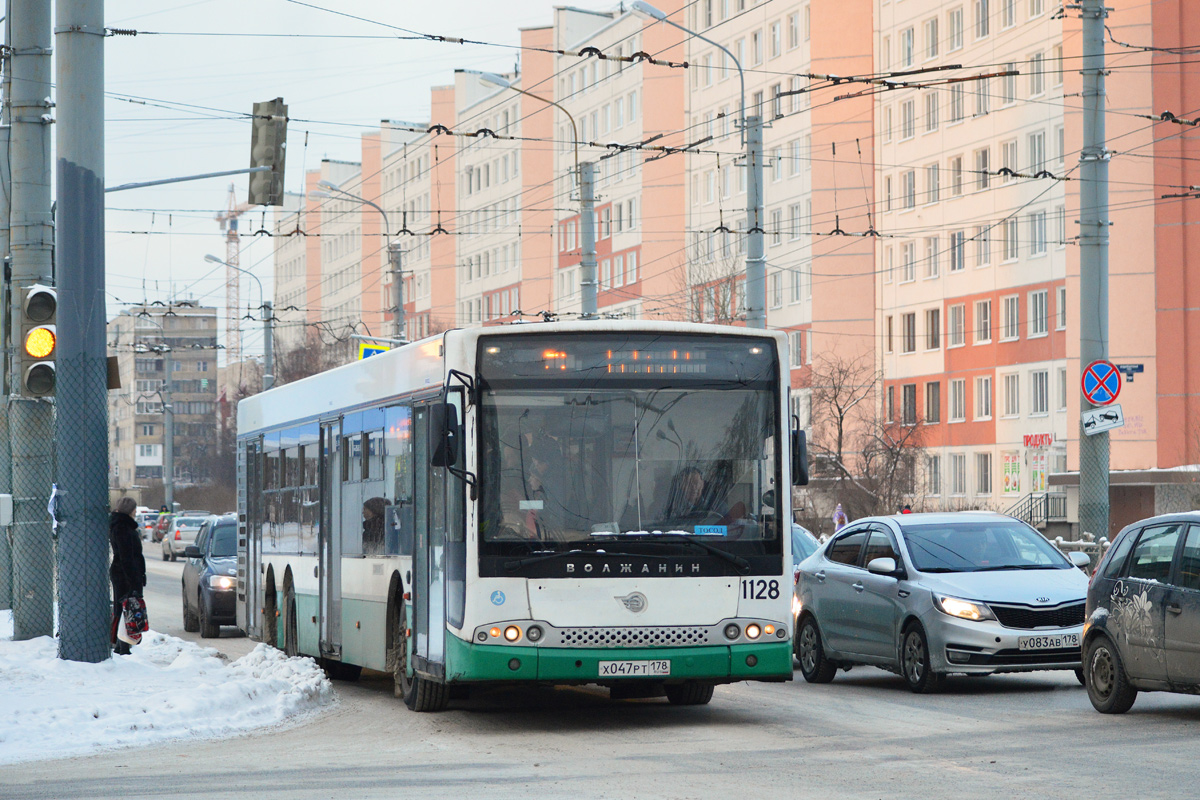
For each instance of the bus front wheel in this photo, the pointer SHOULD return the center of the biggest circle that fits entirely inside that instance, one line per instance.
(290, 627)
(689, 693)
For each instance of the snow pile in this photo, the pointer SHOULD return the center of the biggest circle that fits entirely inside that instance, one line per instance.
(167, 689)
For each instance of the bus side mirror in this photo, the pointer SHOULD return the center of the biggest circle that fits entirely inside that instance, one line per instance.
(443, 435)
(799, 458)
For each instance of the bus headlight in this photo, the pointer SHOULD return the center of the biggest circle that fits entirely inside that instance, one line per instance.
(512, 633)
(534, 633)
(732, 631)
(753, 631)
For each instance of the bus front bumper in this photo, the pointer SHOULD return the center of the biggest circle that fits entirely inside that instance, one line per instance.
(469, 663)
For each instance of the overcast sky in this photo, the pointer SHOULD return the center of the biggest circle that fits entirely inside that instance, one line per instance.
(157, 237)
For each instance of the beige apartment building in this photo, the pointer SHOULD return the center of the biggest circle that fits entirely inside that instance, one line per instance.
(138, 337)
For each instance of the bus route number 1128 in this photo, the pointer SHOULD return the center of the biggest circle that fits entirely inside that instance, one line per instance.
(760, 589)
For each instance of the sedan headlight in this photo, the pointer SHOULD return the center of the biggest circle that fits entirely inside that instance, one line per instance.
(963, 609)
(221, 581)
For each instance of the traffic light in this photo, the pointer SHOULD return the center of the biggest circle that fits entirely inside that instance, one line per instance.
(39, 341)
(268, 145)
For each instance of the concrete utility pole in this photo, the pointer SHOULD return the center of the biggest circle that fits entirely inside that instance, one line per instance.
(588, 285)
(169, 430)
(756, 259)
(82, 393)
(394, 259)
(268, 345)
(31, 230)
(1093, 263)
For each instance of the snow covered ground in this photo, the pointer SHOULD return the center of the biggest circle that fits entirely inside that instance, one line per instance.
(167, 689)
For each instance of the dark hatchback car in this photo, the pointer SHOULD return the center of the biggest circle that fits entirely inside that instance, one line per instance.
(210, 578)
(1142, 630)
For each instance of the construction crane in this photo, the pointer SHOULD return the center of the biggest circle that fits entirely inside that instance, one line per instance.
(229, 224)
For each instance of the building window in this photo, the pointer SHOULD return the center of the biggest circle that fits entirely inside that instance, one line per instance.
(983, 97)
(983, 397)
(1012, 242)
(955, 39)
(983, 321)
(1037, 74)
(908, 188)
(1012, 395)
(1008, 160)
(1062, 388)
(1061, 315)
(776, 289)
(932, 183)
(906, 47)
(933, 402)
(932, 265)
(776, 39)
(956, 176)
(1008, 13)
(983, 246)
(908, 333)
(1037, 152)
(1036, 7)
(776, 227)
(908, 403)
(1040, 399)
(958, 473)
(1037, 232)
(956, 329)
(983, 473)
(908, 259)
(797, 348)
(983, 167)
(931, 112)
(933, 475)
(908, 120)
(958, 246)
(888, 335)
(958, 400)
(933, 329)
(890, 404)
(1010, 320)
(1008, 84)
(1039, 313)
(793, 29)
(982, 14)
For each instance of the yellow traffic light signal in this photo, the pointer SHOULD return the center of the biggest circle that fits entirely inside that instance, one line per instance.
(39, 341)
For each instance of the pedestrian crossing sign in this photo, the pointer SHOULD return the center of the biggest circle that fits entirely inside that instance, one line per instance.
(366, 350)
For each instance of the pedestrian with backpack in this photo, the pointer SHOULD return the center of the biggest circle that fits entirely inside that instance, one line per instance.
(128, 569)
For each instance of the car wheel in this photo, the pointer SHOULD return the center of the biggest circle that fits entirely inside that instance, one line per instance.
(165, 556)
(915, 663)
(190, 623)
(290, 647)
(173, 556)
(1107, 684)
(814, 665)
(1079, 677)
(208, 629)
(689, 693)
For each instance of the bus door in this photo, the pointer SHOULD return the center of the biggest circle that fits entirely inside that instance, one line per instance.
(428, 580)
(249, 590)
(329, 549)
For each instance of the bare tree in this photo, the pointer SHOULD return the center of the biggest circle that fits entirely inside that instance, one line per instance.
(862, 458)
(711, 284)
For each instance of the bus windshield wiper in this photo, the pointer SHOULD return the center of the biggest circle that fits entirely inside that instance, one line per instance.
(740, 564)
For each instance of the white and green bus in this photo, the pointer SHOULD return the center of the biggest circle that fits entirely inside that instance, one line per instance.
(601, 502)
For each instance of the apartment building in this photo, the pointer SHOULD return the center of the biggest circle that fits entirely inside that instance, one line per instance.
(140, 337)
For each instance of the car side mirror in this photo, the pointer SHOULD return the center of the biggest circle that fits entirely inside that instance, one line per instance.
(1079, 559)
(443, 433)
(191, 551)
(883, 566)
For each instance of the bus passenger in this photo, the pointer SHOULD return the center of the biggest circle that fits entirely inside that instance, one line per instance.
(372, 536)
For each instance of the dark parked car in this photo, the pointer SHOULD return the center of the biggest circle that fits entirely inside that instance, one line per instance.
(210, 578)
(1142, 631)
(160, 527)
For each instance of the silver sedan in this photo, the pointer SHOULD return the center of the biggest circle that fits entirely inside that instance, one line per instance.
(926, 595)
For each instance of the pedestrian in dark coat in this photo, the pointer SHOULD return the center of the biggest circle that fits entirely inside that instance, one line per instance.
(128, 568)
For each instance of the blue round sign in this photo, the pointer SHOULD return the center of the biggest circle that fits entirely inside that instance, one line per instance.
(1101, 383)
(497, 598)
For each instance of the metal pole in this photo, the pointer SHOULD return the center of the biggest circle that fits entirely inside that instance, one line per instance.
(587, 236)
(5, 457)
(394, 260)
(169, 435)
(82, 390)
(1093, 264)
(31, 230)
(268, 346)
(756, 263)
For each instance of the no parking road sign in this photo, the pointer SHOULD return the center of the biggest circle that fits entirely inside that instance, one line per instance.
(1101, 383)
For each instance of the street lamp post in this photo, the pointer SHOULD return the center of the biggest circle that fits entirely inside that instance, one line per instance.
(756, 264)
(164, 350)
(268, 319)
(585, 173)
(393, 251)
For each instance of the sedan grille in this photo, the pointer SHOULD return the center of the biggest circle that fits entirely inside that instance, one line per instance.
(632, 637)
(1024, 617)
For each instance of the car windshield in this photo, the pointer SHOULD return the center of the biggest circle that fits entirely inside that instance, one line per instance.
(979, 546)
(803, 544)
(189, 522)
(686, 447)
(224, 542)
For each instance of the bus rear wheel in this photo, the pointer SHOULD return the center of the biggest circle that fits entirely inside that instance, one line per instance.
(690, 693)
(290, 646)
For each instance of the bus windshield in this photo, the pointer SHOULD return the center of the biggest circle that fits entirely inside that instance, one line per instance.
(629, 454)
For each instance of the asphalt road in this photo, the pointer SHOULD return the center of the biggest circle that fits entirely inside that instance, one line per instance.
(864, 736)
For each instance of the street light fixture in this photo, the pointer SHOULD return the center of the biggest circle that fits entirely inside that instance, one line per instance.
(268, 319)
(756, 265)
(393, 249)
(164, 350)
(585, 174)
